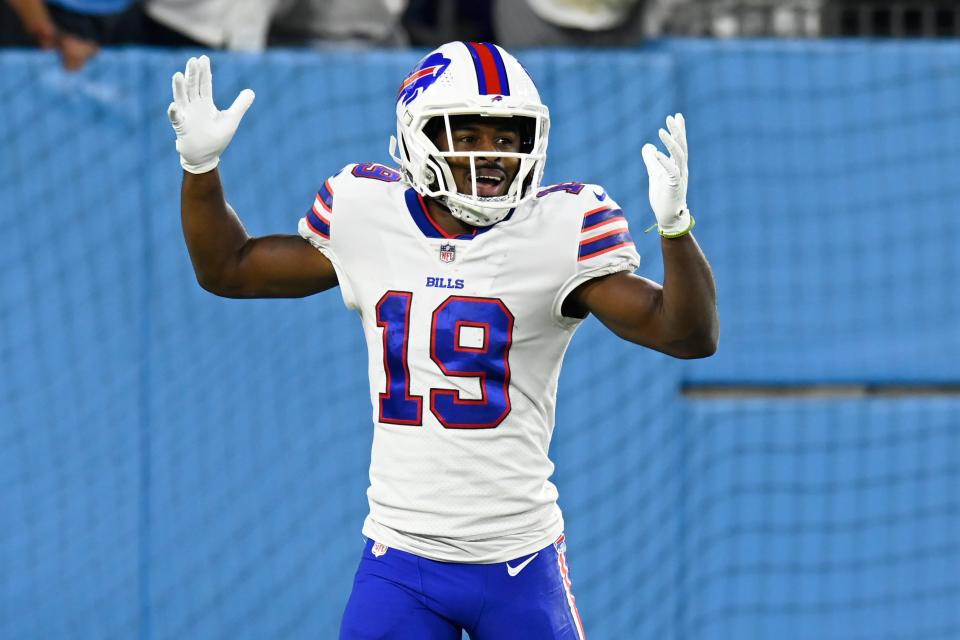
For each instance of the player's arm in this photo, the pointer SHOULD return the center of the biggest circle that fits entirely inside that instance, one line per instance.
(227, 261)
(36, 21)
(230, 263)
(679, 318)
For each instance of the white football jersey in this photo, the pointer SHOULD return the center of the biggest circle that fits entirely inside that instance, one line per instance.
(465, 338)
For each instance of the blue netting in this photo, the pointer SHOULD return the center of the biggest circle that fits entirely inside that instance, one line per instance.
(176, 465)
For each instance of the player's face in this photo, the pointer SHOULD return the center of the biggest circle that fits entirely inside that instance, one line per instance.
(494, 175)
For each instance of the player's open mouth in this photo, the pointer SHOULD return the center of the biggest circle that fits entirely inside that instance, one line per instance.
(490, 182)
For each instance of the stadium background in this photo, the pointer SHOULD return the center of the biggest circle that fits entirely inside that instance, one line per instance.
(174, 465)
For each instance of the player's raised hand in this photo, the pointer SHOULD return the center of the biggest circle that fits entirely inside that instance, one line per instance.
(668, 179)
(203, 131)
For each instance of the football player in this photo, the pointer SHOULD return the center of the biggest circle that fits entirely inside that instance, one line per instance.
(470, 278)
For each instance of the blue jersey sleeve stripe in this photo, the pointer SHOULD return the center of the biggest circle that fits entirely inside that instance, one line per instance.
(326, 196)
(603, 244)
(318, 225)
(597, 218)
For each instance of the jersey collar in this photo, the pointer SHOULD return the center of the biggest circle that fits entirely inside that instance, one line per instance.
(429, 228)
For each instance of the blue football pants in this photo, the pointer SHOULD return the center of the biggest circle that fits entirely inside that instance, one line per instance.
(401, 596)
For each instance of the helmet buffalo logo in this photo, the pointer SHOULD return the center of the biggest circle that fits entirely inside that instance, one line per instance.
(426, 73)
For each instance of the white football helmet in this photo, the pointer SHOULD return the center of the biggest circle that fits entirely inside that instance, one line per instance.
(469, 78)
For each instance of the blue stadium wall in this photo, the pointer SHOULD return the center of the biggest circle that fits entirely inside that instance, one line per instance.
(175, 465)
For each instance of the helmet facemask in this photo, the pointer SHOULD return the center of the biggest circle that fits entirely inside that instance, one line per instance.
(479, 80)
(433, 176)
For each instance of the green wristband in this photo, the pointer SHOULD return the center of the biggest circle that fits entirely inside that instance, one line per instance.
(680, 233)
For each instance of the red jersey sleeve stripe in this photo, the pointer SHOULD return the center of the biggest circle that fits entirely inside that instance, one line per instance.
(603, 251)
(322, 217)
(598, 217)
(604, 244)
(593, 211)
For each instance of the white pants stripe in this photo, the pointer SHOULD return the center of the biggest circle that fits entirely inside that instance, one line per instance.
(571, 601)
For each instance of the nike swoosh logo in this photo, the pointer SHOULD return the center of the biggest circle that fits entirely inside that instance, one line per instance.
(600, 196)
(517, 569)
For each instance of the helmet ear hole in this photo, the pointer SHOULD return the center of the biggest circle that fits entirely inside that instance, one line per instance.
(432, 128)
(527, 134)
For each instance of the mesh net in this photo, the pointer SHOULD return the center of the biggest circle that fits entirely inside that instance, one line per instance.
(177, 465)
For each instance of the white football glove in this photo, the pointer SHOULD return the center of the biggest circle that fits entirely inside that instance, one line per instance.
(668, 179)
(203, 131)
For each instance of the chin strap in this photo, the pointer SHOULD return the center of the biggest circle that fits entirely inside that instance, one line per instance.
(476, 216)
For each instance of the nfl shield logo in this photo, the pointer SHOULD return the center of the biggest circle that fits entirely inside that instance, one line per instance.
(379, 549)
(448, 253)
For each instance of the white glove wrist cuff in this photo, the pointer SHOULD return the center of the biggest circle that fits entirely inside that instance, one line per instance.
(681, 225)
(209, 165)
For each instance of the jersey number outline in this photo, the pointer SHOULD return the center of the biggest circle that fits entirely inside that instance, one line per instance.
(375, 171)
(488, 362)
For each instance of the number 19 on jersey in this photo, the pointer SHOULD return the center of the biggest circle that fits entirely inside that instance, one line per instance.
(488, 361)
